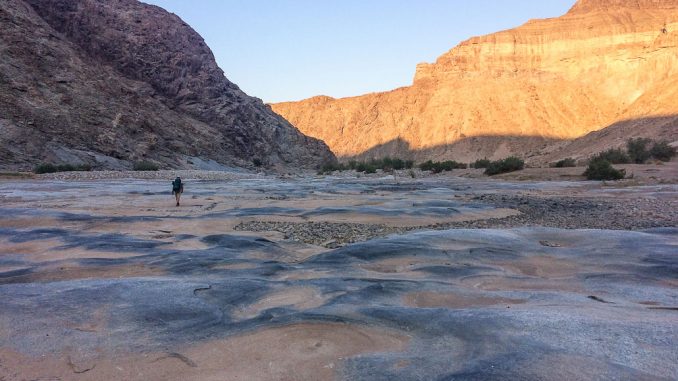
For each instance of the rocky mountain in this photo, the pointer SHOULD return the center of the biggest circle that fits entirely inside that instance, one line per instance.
(111, 82)
(529, 91)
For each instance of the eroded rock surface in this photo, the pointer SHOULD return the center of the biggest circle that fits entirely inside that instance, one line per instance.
(113, 82)
(108, 280)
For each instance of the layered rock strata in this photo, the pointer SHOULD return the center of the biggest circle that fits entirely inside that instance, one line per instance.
(519, 91)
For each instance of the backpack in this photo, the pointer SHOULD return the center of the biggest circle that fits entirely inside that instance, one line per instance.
(176, 185)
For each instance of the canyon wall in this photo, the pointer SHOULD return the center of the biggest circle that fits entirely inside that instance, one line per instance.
(522, 91)
(110, 83)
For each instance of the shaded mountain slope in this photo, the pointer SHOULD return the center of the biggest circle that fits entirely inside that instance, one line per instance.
(114, 82)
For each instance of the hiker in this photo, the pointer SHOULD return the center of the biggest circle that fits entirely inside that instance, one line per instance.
(177, 188)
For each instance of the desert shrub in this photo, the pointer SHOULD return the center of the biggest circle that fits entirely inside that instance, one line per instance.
(601, 169)
(613, 156)
(426, 166)
(509, 164)
(430, 165)
(481, 163)
(45, 168)
(145, 165)
(370, 168)
(66, 168)
(387, 163)
(398, 164)
(637, 150)
(52, 168)
(447, 165)
(662, 151)
(331, 166)
(257, 162)
(366, 167)
(439, 166)
(412, 174)
(75, 167)
(409, 164)
(569, 162)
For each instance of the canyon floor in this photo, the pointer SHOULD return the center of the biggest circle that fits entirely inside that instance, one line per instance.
(316, 278)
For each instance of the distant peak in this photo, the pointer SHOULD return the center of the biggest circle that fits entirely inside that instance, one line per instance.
(583, 6)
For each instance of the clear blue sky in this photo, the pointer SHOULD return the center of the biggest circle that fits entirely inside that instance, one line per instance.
(281, 50)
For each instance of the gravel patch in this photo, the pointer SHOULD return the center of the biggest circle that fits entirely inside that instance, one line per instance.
(560, 212)
(327, 234)
(583, 213)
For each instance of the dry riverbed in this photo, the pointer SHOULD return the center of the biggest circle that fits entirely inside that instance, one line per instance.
(340, 277)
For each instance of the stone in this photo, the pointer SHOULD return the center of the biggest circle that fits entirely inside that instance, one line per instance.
(605, 66)
(92, 288)
(113, 82)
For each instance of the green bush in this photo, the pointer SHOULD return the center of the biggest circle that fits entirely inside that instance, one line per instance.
(398, 164)
(481, 163)
(569, 162)
(330, 167)
(426, 166)
(256, 161)
(447, 165)
(637, 150)
(45, 168)
(601, 169)
(76, 167)
(509, 164)
(439, 166)
(386, 164)
(614, 156)
(366, 167)
(52, 168)
(662, 151)
(369, 168)
(145, 165)
(66, 168)
(435, 167)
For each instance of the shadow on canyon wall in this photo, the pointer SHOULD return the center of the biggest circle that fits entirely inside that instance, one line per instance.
(537, 149)
(464, 150)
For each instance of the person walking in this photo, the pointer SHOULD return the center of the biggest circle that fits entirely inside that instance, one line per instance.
(177, 189)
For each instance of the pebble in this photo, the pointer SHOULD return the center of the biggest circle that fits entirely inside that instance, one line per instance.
(547, 211)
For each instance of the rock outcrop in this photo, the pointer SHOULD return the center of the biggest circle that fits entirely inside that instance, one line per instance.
(523, 91)
(114, 82)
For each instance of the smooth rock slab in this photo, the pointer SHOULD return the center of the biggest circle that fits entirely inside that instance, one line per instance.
(175, 293)
(493, 307)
